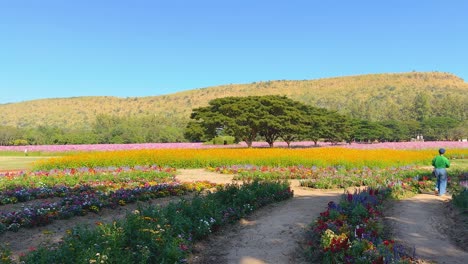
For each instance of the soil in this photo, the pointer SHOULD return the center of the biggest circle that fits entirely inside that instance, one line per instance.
(429, 225)
(275, 234)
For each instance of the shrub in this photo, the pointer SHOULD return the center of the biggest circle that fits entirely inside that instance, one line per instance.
(223, 140)
(460, 200)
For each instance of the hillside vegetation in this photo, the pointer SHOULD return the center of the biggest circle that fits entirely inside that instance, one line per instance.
(403, 96)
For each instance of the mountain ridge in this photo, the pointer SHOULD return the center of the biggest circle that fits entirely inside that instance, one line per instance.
(370, 96)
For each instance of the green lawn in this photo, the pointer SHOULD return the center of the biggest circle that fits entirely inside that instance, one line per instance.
(461, 164)
(18, 162)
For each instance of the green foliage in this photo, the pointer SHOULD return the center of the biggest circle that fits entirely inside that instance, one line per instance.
(459, 187)
(106, 129)
(421, 107)
(114, 129)
(336, 128)
(460, 199)
(367, 131)
(222, 140)
(397, 131)
(194, 132)
(438, 128)
(5, 252)
(8, 135)
(270, 117)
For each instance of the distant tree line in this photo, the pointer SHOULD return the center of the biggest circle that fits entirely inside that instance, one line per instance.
(105, 130)
(253, 118)
(272, 118)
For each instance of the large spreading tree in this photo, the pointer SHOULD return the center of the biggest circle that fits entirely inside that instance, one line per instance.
(246, 118)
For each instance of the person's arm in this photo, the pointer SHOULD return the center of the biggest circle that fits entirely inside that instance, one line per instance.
(447, 163)
(433, 161)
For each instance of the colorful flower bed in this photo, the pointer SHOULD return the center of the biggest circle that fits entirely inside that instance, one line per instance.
(83, 199)
(160, 235)
(352, 232)
(104, 178)
(406, 178)
(202, 158)
(83, 190)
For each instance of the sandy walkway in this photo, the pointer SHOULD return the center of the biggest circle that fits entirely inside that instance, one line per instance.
(270, 235)
(422, 222)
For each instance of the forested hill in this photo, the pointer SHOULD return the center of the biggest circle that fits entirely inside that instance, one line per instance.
(403, 96)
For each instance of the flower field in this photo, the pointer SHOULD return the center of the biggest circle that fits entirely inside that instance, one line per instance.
(281, 157)
(83, 190)
(113, 147)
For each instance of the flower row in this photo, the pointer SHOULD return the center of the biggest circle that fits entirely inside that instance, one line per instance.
(113, 147)
(110, 177)
(332, 177)
(202, 158)
(84, 199)
(161, 235)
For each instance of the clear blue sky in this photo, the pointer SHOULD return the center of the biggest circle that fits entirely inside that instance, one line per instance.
(67, 48)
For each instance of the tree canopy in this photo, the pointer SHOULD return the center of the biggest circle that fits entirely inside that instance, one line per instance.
(270, 117)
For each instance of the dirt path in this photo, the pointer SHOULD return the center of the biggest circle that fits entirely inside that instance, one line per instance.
(191, 175)
(270, 235)
(424, 222)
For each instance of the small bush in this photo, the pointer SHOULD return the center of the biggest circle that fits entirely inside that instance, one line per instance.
(223, 140)
(460, 200)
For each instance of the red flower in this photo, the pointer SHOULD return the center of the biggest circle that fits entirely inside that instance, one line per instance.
(378, 261)
(183, 247)
(339, 222)
(359, 232)
(325, 214)
(339, 244)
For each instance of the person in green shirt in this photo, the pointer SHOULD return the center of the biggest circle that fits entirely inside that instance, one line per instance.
(440, 164)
